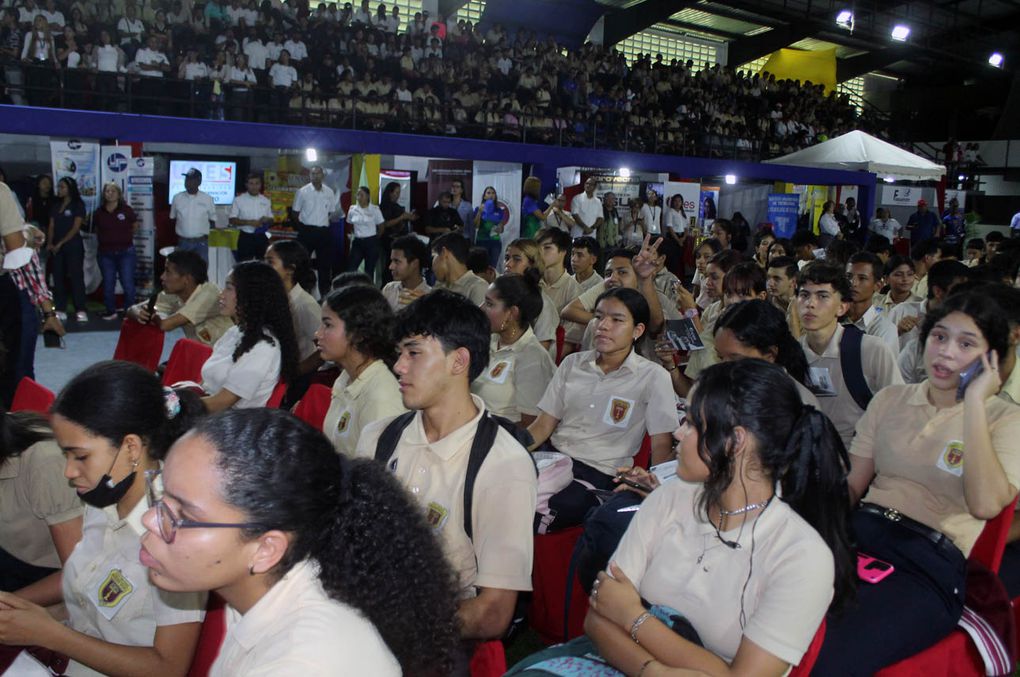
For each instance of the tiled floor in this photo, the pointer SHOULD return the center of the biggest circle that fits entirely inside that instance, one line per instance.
(55, 367)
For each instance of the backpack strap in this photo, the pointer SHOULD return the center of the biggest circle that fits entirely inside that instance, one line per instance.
(485, 437)
(390, 436)
(852, 366)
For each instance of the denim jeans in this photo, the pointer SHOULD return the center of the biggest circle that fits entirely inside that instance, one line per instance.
(120, 263)
(68, 263)
(195, 244)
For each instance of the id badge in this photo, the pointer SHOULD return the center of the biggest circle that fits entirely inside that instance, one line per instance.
(821, 382)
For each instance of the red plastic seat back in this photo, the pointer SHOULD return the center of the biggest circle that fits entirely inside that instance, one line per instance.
(561, 336)
(991, 543)
(549, 583)
(803, 669)
(30, 396)
(185, 363)
(276, 397)
(140, 343)
(214, 629)
(643, 459)
(489, 660)
(313, 406)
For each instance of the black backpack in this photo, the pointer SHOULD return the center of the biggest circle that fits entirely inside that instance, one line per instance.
(485, 436)
(852, 366)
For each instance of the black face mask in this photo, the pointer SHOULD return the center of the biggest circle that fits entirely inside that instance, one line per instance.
(106, 493)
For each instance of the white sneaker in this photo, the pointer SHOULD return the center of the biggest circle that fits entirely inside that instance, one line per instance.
(82, 316)
(62, 317)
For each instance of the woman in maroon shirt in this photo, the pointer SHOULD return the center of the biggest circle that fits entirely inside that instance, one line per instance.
(115, 223)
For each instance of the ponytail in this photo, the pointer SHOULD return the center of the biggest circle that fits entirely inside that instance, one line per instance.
(522, 292)
(370, 541)
(814, 485)
(760, 325)
(19, 431)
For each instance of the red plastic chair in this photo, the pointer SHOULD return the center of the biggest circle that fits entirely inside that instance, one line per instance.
(489, 660)
(549, 591)
(214, 629)
(643, 459)
(561, 336)
(140, 343)
(956, 655)
(276, 397)
(185, 363)
(30, 396)
(313, 406)
(803, 669)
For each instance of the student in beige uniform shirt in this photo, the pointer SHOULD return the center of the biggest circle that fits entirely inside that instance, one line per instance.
(355, 334)
(559, 285)
(523, 255)
(114, 422)
(292, 263)
(753, 570)
(310, 551)
(408, 257)
(188, 300)
(444, 346)
(519, 367)
(712, 289)
(449, 264)
(601, 403)
(823, 294)
(935, 465)
(40, 513)
(584, 256)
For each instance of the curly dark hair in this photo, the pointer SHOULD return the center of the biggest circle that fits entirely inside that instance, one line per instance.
(367, 318)
(263, 313)
(374, 549)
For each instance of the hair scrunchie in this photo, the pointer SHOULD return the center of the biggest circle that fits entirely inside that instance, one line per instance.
(172, 402)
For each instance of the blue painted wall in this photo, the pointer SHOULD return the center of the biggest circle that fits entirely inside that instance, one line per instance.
(569, 21)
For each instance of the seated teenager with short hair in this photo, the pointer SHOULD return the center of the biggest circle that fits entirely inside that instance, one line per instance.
(443, 340)
(601, 403)
(409, 256)
(449, 263)
(187, 300)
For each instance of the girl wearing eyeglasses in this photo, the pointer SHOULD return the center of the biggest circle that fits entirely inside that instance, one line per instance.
(114, 421)
(325, 563)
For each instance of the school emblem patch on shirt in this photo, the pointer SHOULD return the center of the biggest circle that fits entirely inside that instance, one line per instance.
(500, 371)
(345, 419)
(114, 589)
(205, 336)
(618, 412)
(436, 515)
(951, 459)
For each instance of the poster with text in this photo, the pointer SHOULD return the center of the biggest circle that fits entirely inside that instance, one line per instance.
(139, 197)
(442, 174)
(784, 210)
(691, 193)
(708, 207)
(78, 160)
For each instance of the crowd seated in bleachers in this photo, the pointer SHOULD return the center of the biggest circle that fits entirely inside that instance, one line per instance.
(345, 67)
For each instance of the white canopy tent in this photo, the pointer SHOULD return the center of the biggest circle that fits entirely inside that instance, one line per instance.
(859, 151)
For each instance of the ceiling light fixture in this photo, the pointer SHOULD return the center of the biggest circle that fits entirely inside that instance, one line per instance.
(900, 32)
(995, 60)
(845, 19)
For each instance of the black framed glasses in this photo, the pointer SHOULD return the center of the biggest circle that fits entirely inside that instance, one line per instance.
(167, 519)
(169, 523)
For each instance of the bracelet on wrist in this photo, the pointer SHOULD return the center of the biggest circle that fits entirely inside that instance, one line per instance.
(672, 368)
(637, 624)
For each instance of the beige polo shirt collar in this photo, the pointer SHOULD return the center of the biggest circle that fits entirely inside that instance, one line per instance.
(447, 447)
(132, 520)
(353, 389)
(831, 350)
(514, 347)
(1011, 388)
(628, 366)
(868, 318)
(252, 628)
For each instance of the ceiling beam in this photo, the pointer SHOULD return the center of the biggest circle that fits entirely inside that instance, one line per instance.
(856, 66)
(621, 24)
(751, 47)
(685, 25)
(448, 7)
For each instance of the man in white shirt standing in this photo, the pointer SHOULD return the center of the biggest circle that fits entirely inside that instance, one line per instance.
(253, 214)
(151, 64)
(313, 204)
(885, 225)
(587, 211)
(193, 213)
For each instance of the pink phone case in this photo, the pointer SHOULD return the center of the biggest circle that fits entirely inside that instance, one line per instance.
(872, 570)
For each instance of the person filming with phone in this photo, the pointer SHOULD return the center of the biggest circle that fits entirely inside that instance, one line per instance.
(937, 459)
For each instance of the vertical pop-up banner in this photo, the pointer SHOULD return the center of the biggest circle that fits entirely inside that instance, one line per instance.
(78, 160)
(139, 196)
(114, 162)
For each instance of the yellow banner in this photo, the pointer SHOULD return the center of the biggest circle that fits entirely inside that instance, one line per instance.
(365, 172)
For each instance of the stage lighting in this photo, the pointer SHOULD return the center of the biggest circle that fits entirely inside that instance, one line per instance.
(624, 172)
(890, 179)
(995, 60)
(311, 155)
(900, 33)
(731, 179)
(845, 19)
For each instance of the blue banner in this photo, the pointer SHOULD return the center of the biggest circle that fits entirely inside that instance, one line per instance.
(784, 210)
